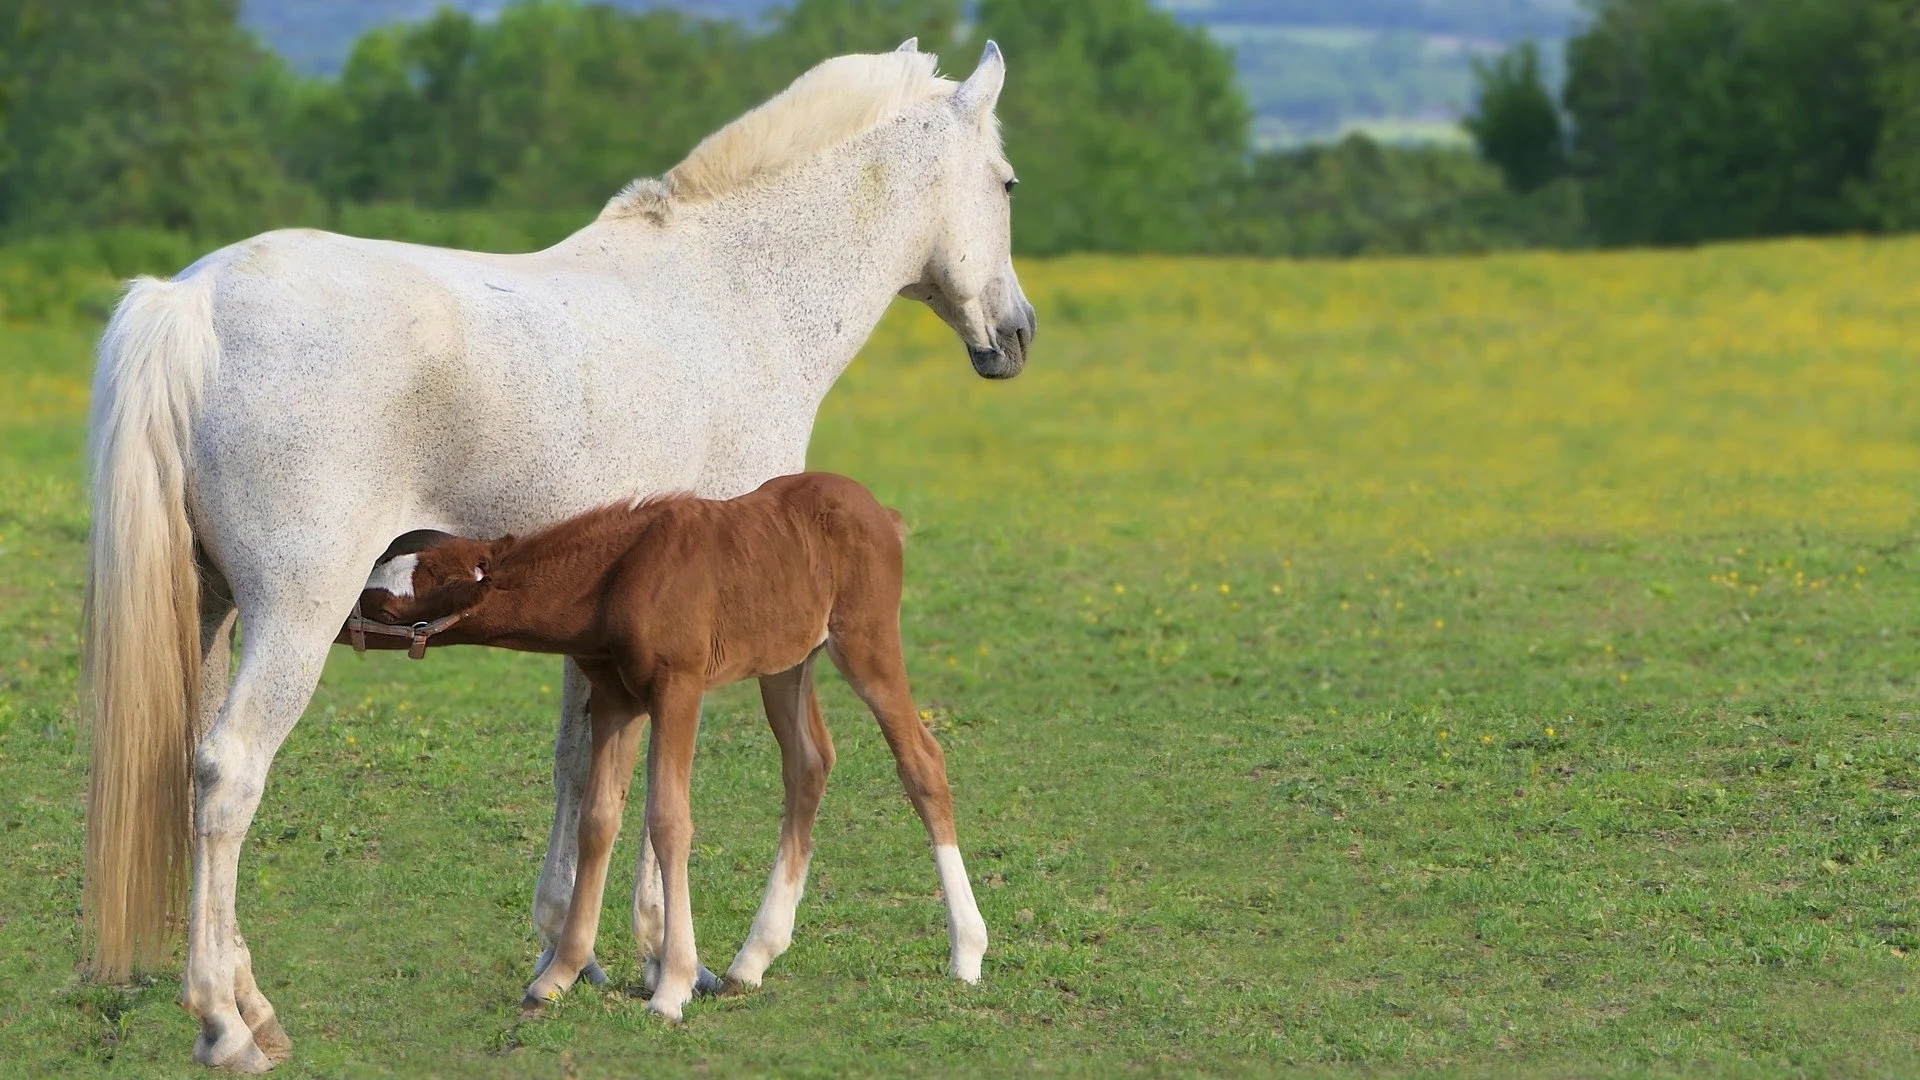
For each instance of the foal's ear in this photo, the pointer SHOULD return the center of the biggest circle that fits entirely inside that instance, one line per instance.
(912, 44)
(483, 566)
(978, 94)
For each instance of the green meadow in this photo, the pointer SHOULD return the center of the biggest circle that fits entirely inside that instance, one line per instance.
(1475, 667)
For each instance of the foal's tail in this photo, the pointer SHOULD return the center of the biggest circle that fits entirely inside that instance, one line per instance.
(142, 662)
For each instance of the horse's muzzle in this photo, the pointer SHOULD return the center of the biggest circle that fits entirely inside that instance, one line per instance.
(1008, 354)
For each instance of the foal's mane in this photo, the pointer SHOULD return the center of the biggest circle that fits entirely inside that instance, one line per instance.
(838, 100)
(613, 524)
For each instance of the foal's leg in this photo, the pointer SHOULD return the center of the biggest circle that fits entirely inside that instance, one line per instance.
(650, 920)
(806, 757)
(572, 756)
(616, 742)
(676, 725)
(869, 655)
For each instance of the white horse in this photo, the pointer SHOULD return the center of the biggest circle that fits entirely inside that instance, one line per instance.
(267, 421)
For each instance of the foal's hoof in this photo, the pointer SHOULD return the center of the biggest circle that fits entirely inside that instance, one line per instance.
(705, 982)
(593, 972)
(732, 987)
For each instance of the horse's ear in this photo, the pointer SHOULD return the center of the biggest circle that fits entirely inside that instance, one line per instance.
(912, 44)
(978, 94)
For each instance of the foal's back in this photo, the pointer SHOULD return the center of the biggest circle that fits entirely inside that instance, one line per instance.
(752, 585)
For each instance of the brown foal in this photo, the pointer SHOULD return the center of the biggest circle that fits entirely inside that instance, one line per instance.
(661, 601)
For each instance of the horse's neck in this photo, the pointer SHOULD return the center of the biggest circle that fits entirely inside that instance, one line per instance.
(813, 258)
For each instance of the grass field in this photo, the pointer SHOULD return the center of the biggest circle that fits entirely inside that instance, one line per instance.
(1497, 667)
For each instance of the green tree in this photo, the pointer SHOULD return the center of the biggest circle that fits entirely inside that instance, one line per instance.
(1124, 124)
(137, 112)
(556, 104)
(1357, 197)
(813, 30)
(1892, 194)
(1514, 121)
(1705, 119)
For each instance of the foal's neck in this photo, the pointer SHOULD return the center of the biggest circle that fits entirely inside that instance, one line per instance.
(547, 586)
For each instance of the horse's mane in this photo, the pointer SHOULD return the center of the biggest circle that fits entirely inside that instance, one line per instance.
(838, 100)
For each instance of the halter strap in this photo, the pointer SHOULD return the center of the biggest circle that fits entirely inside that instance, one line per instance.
(359, 626)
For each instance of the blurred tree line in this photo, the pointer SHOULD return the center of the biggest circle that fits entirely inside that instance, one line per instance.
(165, 113)
(1680, 121)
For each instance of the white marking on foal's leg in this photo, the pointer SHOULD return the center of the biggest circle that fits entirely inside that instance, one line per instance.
(772, 929)
(965, 928)
(395, 575)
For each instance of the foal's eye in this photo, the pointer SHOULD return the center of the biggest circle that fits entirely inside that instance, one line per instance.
(1012, 183)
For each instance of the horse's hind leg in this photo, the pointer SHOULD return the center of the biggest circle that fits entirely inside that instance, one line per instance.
(216, 669)
(283, 656)
(869, 655)
(572, 758)
(806, 758)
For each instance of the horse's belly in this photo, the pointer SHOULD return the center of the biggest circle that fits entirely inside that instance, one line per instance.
(427, 402)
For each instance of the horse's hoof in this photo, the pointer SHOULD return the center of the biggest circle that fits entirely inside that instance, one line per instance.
(245, 1058)
(707, 984)
(732, 987)
(272, 1040)
(532, 1008)
(670, 1015)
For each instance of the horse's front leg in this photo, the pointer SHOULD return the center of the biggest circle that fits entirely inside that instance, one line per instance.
(572, 758)
(616, 742)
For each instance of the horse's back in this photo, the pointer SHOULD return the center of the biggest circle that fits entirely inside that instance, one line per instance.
(483, 388)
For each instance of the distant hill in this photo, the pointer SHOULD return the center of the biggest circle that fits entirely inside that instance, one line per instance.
(1398, 69)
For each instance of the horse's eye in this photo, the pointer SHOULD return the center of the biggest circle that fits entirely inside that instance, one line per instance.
(1012, 183)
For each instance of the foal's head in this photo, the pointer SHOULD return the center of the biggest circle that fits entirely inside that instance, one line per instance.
(450, 576)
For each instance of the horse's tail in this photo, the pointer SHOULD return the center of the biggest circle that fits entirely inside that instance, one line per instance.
(142, 662)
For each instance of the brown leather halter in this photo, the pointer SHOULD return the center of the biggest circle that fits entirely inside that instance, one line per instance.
(359, 626)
